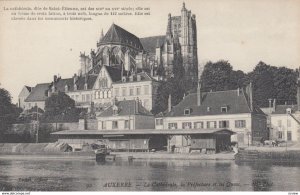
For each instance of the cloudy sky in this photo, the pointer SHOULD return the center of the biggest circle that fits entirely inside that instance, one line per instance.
(243, 32)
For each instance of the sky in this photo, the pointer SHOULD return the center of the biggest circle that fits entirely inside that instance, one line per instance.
(243, 32)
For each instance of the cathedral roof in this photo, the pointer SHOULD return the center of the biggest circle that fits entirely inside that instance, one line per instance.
(118, 35)
(150, 43)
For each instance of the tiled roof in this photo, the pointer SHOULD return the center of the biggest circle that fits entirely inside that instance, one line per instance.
(143, 75)
(214, 100)
(126, 108)
(281, 109)
(38, 93)
(61, 83)
(118, 35)
(150, 43)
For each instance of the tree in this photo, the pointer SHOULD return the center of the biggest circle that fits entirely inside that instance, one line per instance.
(273, 82)
(173, 87)
(59, 107)
(8, 111)
(220, 76)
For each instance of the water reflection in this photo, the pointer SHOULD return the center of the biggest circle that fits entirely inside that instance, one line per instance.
(154, 175)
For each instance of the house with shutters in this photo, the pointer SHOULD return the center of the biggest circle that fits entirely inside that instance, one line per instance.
(37, 96)
(284, 120)
(125, 115)
(233, 110)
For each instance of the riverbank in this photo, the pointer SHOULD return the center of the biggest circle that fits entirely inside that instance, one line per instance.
(61, 151)
(274, 154)
(121, 156)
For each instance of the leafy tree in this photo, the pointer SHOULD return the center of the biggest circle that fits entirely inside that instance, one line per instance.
(172, 86)
(220, 76)
(8, 111)
(59, 107)
(30, 115)
(273, 82)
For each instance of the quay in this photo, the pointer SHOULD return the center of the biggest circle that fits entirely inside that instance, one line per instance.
(274, 154)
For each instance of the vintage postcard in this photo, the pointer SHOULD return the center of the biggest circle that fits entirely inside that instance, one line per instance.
(149, 95)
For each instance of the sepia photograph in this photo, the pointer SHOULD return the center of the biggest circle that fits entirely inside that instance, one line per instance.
(149, 95)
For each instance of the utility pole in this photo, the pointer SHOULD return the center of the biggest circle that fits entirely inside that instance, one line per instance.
(37, 125)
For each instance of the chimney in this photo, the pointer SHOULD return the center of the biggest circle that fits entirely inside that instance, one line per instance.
(298, 90)
(137, 105)
(54, 78)
(170, 103)
(270, 105)
(274, 105)
(251, 96)
(199, 94)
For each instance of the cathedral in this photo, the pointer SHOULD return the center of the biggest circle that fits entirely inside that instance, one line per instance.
(126, 67)
(157, 55)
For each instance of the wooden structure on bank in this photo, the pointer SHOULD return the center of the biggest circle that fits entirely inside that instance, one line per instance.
(148, 139)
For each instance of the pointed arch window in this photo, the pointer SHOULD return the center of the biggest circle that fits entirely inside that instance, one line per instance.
(115, 56)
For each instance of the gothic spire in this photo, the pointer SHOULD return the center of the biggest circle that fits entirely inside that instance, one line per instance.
(102, 35)
(169, 27)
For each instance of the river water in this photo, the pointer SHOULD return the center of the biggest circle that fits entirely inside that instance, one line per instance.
(155, 175)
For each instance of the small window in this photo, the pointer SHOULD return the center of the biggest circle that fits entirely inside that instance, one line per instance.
(223, 124)
(159, 121)
(131, 92)
(126, 124)
(198, 125)
(240, 124)
(224, 109)
(187, 111)
(172, 125)
(280, 135)
(103, 124)
(138, 91)
(115, 124)
(115, 110)
(186, 125)
(211, 124)
(289, 136)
